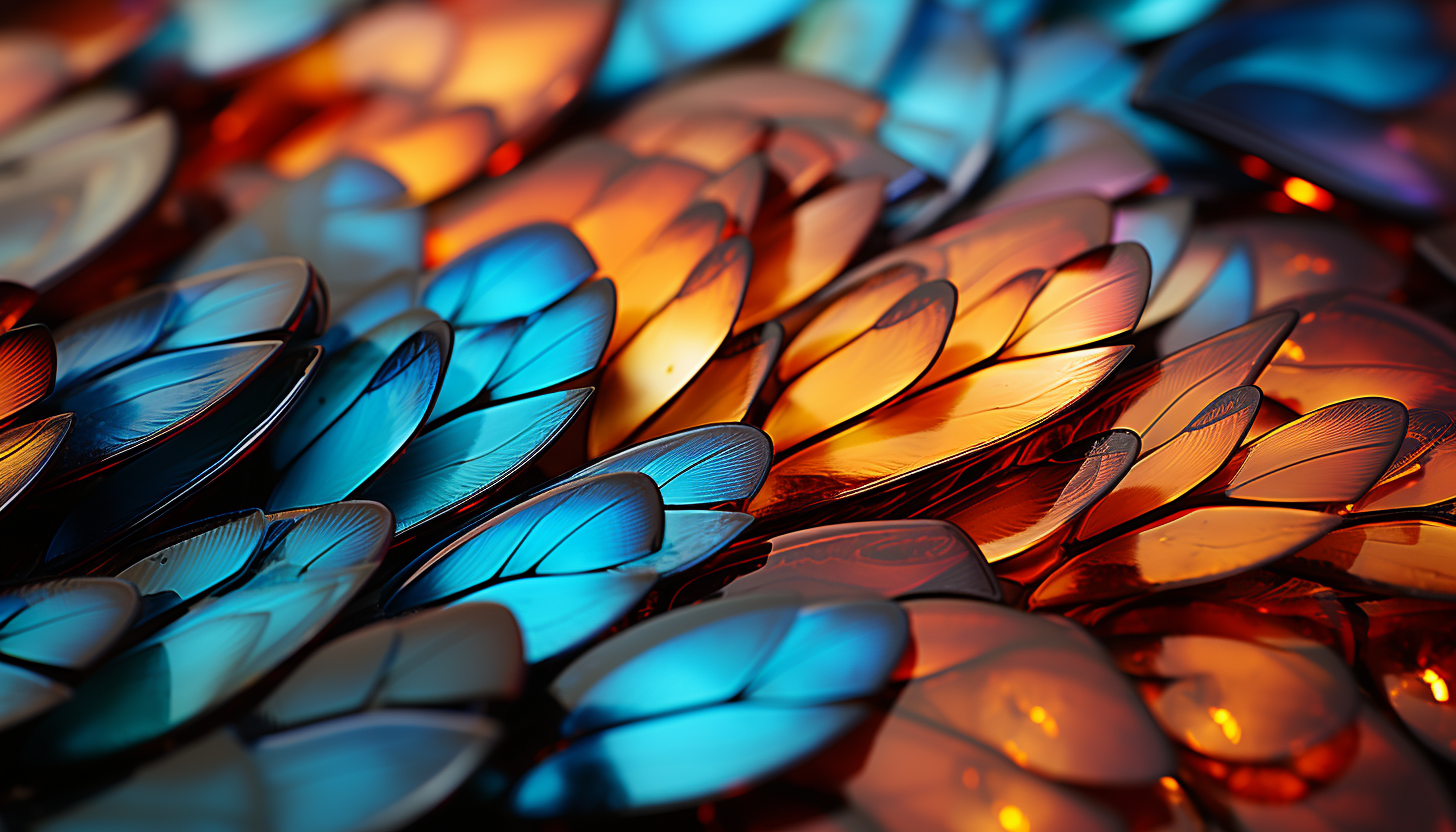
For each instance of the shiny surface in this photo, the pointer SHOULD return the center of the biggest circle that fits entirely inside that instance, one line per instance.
(1042, 694)
(28, 360)
(372, 430)
(1405, 557)
(510, 276)
(889, 559)
(870, 370)
(456, 464)
(849, 315)
(946, 423)
(142, 490)
(634, 207)
(672, 347)
(1243, 701)
(1350, 345)
(1174, 468)
(1191, 547)
(24, 452)
(725, 388)
(562, 342)
(1096, 296)
(799, 255)
(697, 466)
(656, 272)
(984, 253)
(1333, 455)
(1013, 512)
(122, 411)
(218, 649)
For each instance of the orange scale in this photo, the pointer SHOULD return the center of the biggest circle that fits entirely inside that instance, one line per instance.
(1096, 296)
(32, 70)
(726, 387)
(1401, 557)
(1332, 455)
(401, 46)
(913, 256)
(868, 371)
(523, 61)
(634, 207)
(799, 158)
(712, 140)
(24, 452)
(1158, 400)
(1167, 472)
(27, 368)
(650, 278)
(671, 348)
(1188, 548)
(1298, 256)
(767, 91)
(915, 777)
(848, 316)
(952, 422)
(882, 559)
(1041, 691)
(1423, 473)
(1375, 779)
(984, 254)
(553, 189)
(1347, 346)
(1411, 654)
(1243, 701)
(739, 190)
(799, 255)
(1027, 506)
(979, 333)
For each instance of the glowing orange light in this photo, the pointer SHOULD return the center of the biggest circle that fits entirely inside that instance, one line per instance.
(1439, 691)
(1308, 193)
(1255, 167)
(1013, 819)
(504, 158)
(1226, 721)
(1168, 783)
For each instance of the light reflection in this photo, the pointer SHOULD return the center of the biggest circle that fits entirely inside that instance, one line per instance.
(1439, 691)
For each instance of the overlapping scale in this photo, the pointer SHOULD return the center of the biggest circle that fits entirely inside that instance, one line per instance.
(726, 387)
(699, 466)
(456, 654)
(889, 559)
(220, 648)
(25, 450)
(883, 361)
(774, 661)
(373, 429)
(1043, 694)
(455, 465)
(950, 422)
(564, 341)
(1403, 557)
(800, 254)
(69, 200)
(110, 336)
(510, 276)
(28, 362)
(1242, 701)
(198, 559)
(1333, 455)
(121, 412)
(634, 207)
(346, 219)
(1169, 471)
(1016, 511)
(672, 347)
(123, 501)
(1094, 297)
(541, 559)
(1069, 153)
(1190, 547)
(1258, 81)
(1352, 345)
(650, 279)
(378, 769)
